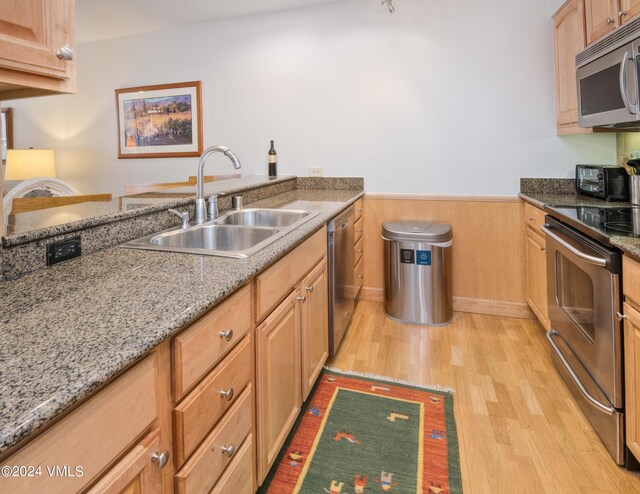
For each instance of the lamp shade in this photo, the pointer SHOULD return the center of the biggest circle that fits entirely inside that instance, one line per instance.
(23, 164)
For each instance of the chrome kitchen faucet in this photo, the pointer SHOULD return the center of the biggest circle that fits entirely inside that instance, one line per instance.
(201, 209)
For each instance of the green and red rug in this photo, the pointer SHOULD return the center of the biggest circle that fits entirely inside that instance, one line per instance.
(361, 435)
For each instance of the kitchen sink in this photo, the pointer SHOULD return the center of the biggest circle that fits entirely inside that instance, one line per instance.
(263, 217)
(238, 233)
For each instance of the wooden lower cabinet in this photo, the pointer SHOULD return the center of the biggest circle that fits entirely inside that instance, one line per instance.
(632, 378)
(238, 477)
(278, 379)
(137, 473)
(536, 259)
(315, 326)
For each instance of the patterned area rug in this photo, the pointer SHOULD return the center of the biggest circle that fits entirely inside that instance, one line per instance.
(361, 435)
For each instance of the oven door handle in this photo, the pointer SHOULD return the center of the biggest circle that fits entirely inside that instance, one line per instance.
(609, 410)
(633, 109)
(598, 261)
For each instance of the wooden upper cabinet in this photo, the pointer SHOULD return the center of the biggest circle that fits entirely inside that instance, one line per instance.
(31, 34)
(628, 9)
(601, 17)
(569, 39)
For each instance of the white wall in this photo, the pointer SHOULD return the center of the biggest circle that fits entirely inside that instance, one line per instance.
(447, 97)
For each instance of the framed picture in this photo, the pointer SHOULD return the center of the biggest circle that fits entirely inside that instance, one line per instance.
(163, 121)
(6, 131)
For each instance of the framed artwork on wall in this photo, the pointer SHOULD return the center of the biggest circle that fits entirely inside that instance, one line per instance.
(162, 121)
(6, 131)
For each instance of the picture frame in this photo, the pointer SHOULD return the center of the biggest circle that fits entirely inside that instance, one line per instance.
(6, 132)
(160, 121)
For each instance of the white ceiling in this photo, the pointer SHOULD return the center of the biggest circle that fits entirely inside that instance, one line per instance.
(102, 19)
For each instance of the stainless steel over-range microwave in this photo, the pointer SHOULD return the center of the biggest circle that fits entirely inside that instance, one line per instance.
(607, 76)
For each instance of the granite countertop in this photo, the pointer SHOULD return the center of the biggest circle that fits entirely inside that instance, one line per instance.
(628, 245)
(67, 330)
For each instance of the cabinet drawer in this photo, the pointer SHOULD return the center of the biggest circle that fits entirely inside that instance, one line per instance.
(358, 250)
(359, 205)
(359, 276)
(206, 465)
(274, 284)
(200, 347)
(357, 226)
(631, 279)
(534, 217)
(203, 407)
(238, 479)
(92, 436)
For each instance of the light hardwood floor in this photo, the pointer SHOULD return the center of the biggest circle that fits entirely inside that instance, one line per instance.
(519, 428)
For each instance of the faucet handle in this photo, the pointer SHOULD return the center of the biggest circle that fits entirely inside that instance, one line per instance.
(212, 207)
(184, 217)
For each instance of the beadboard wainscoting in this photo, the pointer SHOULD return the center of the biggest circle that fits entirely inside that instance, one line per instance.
(488, 248)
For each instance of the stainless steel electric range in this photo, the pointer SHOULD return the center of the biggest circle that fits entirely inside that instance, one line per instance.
(585, 299)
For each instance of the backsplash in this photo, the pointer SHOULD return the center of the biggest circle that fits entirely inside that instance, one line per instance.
(627, 145)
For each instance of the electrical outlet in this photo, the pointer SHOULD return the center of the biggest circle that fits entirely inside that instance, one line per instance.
(315, 172)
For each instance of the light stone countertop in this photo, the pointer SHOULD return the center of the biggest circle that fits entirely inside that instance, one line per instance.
(67, 330)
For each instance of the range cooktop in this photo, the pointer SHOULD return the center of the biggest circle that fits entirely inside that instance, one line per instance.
(599, 222)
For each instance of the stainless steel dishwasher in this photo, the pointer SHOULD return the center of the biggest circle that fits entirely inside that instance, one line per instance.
(340, 234)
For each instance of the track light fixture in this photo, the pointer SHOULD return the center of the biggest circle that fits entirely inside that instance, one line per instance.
(389, 5)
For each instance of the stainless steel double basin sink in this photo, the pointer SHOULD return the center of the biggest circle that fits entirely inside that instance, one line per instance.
(238, 233)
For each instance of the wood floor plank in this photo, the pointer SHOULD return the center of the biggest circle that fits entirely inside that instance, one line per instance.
(519, 428)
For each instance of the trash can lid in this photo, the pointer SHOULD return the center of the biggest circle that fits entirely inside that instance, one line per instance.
(417, 231)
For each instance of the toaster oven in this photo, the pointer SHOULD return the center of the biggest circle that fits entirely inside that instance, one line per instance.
(610, 183)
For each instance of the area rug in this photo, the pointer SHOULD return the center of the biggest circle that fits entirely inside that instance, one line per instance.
(363, 435)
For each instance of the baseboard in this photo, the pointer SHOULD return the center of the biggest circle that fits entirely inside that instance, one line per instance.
(493, 307)
(519, 310)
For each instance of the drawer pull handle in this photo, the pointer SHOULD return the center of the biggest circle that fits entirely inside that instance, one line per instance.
(620, 316)
(360, 230)
(228, 394)
(360, 277)
(532, 218)
(227, 335)
(160, 458)
(302, 298)
(309, 289)
(610, 21)
(622, 13)
(360, 250)
(228, 450)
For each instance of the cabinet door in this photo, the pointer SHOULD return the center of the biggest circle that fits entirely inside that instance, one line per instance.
(632, 378)
(601, 17)
(315, 327)
(569, 39)
(536, 259)
(137, 473)
(277, 379)
(628, 9)
(32, 32)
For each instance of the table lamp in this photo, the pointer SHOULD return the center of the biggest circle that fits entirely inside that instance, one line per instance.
(23, 164)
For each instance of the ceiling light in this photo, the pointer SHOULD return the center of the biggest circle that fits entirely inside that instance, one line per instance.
(389, 5)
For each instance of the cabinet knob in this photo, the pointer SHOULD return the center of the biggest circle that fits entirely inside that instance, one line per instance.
(302, 298)
(360, 230)
(622, 13)
(309, 289)
(360, 251)
(532, 218)
(360, 277)
(610, 21)
(65, 53)
(160, 458)
(543, 248)
(359, 210)
(227, 335)
(228, 450)
(228, 394)
(620, 316)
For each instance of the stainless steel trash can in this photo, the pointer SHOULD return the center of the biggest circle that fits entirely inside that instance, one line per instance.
(417, 272)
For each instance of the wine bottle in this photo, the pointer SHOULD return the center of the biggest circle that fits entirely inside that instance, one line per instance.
(273, 161)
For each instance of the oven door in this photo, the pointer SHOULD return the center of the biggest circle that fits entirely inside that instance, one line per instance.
(608, 89)
(584, 298)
